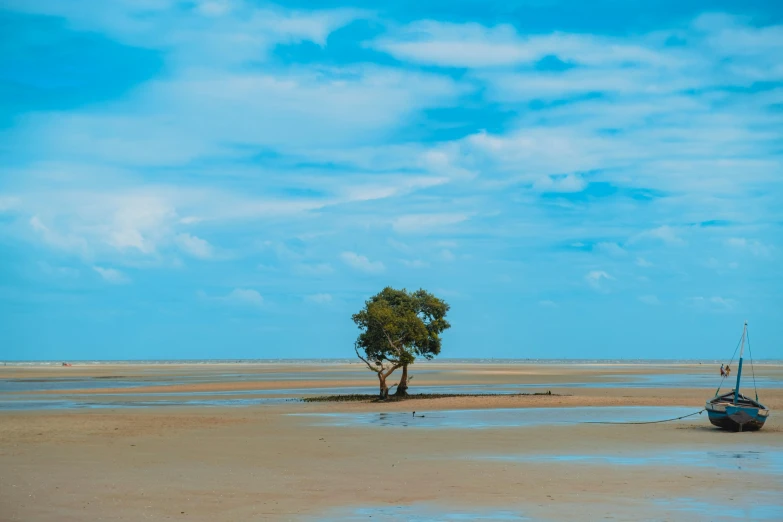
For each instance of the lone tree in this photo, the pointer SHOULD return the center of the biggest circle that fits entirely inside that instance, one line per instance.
(397, 326)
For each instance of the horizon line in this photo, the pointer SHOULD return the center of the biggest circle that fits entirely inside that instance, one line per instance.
(344, 359)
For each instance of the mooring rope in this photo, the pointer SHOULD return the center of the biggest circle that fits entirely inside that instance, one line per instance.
(647, 422)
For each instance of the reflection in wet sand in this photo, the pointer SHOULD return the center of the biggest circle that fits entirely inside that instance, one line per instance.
(766, 461)
(498, 418)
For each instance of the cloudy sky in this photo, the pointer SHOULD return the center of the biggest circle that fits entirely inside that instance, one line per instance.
(232, 179)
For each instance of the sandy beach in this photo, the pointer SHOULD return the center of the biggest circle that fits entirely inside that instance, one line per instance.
(112, 453)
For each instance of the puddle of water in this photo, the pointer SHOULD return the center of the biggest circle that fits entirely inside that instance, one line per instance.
(612, 381)
(629, 381)
(27, 385)
(683, 380)
(664, 380)
(754, 461)
(498, 418)
(70, 404)
(743, 506)
(764, 506)
(415, 513)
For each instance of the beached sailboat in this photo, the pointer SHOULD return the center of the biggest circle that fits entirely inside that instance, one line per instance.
(734, 411)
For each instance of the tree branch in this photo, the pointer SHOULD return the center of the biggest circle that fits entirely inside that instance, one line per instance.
(356, 349)
(391, 369)
(388, 338)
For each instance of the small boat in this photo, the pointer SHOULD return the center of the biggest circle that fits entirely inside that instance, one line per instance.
(733, 411)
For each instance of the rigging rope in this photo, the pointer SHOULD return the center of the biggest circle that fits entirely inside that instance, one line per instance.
(731, 361)
(752, 371)
(647, 422)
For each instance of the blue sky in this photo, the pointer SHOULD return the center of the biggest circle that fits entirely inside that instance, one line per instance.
(232, 179)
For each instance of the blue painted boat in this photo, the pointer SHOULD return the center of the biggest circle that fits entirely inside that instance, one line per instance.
(733, 411)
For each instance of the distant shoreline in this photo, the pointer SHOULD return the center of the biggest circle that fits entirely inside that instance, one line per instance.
(488, 361)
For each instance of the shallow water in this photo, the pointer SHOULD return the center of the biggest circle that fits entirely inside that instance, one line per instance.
(416, 513)
(153, 378)
(129, 402)
(755, 506)
(758, 460)
(664, 380)
(76, 383)
(761, 506)
(498, 418)
(12, 391)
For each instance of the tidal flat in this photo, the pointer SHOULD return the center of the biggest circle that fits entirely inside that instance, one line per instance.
(235, 442)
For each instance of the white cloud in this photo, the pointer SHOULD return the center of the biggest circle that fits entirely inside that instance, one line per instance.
(715, 303)
(63, 241)
(214, 7)
(194, 246)
(722, 302)
(58, 271)
(316, 269)
(447, 255)
(649, 299)
(125, 221)
(472, 45)
(755, 247)
(8, 203)
(649, 129)
(245, 296)
(236, 31)
(412, 223)
(662, 143)
(535, 85)
(143, 221)
(291, 110)
(452, 45)
(745, 48)
(720, 266)
(550, 158)
(319, 298)
(112, 275)
(446, 243)
(611, 249)
(567, 183)
(361, 263)
(399, 245)
(665, 233)
(597, 278)
(642, 262)
(414, 263)
(394, 186)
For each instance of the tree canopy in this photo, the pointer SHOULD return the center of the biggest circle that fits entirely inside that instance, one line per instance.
(396, 327)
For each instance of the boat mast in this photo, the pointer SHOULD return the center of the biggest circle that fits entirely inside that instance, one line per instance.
(739, 370)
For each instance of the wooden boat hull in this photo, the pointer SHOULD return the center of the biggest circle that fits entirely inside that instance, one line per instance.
(722, 420)
(746, 415)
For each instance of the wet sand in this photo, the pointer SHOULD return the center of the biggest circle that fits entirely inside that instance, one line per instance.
(260, 462)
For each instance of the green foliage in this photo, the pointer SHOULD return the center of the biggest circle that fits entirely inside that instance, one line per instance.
(397, 326)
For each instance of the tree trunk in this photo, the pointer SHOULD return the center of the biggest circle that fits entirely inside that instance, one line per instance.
(384, 389)
(402, 388)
